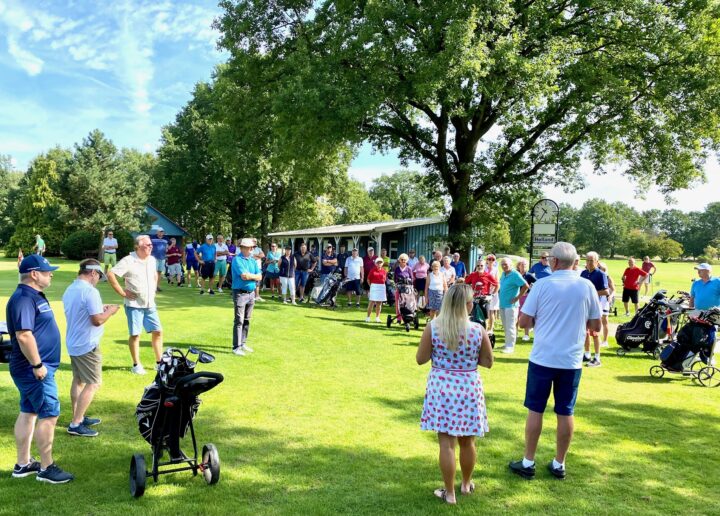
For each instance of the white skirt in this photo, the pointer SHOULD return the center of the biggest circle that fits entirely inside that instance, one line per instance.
(377, 292)
(494, 302)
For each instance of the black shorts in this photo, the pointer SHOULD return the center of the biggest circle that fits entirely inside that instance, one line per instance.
(630, 295)
(353, 286)
(207, 270)
(419, 285)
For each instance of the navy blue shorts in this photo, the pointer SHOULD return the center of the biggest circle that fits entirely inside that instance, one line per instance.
(353, 286)
(38, 397)
(563, 382)
(193, 265)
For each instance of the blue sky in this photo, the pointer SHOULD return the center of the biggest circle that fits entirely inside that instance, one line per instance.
(127, 67)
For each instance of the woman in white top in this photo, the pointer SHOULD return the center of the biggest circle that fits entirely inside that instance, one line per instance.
(435, 288)
(449, 271)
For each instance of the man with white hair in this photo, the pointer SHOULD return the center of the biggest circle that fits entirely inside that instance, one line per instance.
(561, 308)
(460, 270)
(599, 280)
(139, 271)
(512, 288)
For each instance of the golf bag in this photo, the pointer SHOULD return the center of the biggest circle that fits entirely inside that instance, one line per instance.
(479, 314)
(390, 290)
(646, 328)
(405, 306)
(697, 337)
(328, 290)
(5, 344)
(313, 282)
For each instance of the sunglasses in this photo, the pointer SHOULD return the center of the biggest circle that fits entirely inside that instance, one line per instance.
(491, 259)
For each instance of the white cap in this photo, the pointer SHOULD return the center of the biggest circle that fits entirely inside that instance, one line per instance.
(703, 267)
(208, 237)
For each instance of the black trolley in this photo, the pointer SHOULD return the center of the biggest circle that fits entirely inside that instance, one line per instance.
(164, 416)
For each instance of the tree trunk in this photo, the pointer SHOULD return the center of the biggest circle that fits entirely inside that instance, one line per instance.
(458, 226)
(238, 221)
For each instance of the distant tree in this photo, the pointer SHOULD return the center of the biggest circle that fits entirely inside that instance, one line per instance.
(405, 195)
(666, 248)
(10, 191)
(600, 227)
(353, 205)
(567, 223)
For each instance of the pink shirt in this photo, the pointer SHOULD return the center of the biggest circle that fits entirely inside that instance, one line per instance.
(420, 270)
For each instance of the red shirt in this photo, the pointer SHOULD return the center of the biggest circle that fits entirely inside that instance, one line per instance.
(172, 260)
(377, 276)
(631, 277)
(481, 282)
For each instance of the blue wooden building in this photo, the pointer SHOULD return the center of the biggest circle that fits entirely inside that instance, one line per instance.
(159, 220)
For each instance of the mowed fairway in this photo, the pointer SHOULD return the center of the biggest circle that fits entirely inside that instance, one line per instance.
(324, 418)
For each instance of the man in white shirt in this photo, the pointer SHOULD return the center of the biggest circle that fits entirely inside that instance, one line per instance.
(85, 315)
(355, 273)
(110, 245)
(412, 259)
(561, 307)
(448, 271)
(221, 256)
(139, 270)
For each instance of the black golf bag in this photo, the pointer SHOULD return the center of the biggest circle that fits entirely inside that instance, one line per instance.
(390, 290)
(313, 280)
(646, 328)
(697, 337)
(479, 314)
(328, 290)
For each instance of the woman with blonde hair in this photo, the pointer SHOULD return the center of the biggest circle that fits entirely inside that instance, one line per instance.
(454, 404)
(435, 288)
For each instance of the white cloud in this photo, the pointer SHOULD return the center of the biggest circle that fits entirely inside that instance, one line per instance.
(29, 62)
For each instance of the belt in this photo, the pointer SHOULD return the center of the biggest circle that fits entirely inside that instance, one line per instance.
(455, 370)
(245, 291)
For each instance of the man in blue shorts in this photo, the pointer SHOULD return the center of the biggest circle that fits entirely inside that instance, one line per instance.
(34, 358)
(305, 265)
(206, 256)
(159, 252)
(561, 307)
(192, 265)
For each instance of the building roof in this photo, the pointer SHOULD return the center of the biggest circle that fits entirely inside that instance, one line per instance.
(159, 219)
(359, 229)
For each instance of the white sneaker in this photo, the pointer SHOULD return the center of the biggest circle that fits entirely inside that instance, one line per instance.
(239, 352)
(259, 299)
(627, 314)
(247, 349)
(604, 344)
(507, 350)
(219, 291)
(526, 338)
(294, 303)
(138, 369)
(367, 319)
(377, 319)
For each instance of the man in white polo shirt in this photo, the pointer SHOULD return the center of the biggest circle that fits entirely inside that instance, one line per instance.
(355, 273)
(85, 315)
(139, 271)
(110, 246)
(561, 308)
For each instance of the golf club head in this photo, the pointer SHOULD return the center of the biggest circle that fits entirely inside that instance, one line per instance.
(205, 358)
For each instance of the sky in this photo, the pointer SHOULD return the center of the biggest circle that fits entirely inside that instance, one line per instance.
(126, 67)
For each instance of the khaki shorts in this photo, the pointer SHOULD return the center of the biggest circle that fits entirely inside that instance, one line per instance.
(110, 259)
(87, 368)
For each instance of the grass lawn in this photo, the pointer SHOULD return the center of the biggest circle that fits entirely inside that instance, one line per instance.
(324, 418)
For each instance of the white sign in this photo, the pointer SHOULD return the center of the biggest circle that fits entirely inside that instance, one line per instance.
(544, 229)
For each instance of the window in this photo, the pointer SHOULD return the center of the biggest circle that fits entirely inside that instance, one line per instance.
(393, 249)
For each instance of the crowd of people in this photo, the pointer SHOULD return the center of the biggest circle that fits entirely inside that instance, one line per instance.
(565, 306)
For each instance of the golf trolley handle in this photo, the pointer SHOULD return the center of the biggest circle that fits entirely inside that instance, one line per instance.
(197, 383)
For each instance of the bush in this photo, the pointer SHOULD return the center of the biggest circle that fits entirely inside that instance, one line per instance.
(705, 259)
(126, 243)
(77, 243)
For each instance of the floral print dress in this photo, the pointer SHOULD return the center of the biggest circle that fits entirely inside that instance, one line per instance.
(454, 398)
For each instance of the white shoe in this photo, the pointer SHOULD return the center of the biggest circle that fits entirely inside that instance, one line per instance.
(627, 314)
(377, 319)
(294, 303)
(247, 349)
(239, 352)
(367, 319)
(604, 344)
(259, 299)
(138, 369)
(526, 338)
(219, 291)
(508, 351)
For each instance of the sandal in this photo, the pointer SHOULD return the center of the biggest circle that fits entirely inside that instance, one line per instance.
(470, 490)
(442, 494)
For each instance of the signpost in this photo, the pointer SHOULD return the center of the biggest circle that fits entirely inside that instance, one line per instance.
(543, 228)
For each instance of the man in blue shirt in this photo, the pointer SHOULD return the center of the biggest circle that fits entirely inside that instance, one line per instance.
(205, 254)
(542, 268)
(34, 358)
(460, 270)
(329, 263)
(245, 275)
(705, 292)
(512, 288)
(599, 280)
(159, 252)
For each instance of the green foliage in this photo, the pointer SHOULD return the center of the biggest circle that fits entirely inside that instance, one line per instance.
(353, 204)
(126, 242)
(79, 242)
(600, 227)
(404, 195)
(11, 186)
(667, 248)
(39, 211)
(486, 95)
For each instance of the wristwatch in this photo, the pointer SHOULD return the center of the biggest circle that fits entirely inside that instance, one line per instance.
(38, 366)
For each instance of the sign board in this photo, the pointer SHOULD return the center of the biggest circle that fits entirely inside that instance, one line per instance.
(544, 228)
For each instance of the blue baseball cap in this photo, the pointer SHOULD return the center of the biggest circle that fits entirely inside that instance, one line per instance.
(35, 262)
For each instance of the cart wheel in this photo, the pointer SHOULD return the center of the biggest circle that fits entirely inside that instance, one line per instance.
(620, 352)
(709, 376)
(416, 323)
(697, 365)
(211, 463)
(389, 321)
(138, 475)
(657, 372)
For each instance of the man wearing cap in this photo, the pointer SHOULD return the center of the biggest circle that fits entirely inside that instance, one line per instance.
(85, 315)
(245, 275)
(110, 246)
(705, 292)
(305, 265)
(329, 263)
(355, 273)
(34, 358)
(205, 254)
(139, 271)
(159, 252)
(542, 268)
